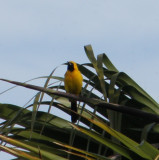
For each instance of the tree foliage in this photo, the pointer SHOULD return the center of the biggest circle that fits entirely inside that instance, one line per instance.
(117, 118)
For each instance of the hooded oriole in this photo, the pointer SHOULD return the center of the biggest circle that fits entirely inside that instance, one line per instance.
(73, 84)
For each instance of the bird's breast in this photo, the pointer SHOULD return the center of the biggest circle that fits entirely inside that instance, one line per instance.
(73, 82)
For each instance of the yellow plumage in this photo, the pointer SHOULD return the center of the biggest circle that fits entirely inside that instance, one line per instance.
(73, 84)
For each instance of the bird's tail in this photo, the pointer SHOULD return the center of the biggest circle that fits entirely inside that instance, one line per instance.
(74, 116)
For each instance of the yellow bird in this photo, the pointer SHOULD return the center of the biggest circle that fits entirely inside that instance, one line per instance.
(73, 84)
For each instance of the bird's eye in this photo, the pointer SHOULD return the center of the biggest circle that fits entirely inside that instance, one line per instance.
(71, 64)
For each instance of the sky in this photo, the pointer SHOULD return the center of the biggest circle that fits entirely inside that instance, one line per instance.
(36, 36)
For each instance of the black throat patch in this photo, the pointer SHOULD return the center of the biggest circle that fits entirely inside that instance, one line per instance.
(70, 66)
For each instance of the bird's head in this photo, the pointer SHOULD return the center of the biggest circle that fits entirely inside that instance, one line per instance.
(71, 66)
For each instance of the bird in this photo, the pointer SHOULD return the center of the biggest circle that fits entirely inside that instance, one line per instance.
(73, 84)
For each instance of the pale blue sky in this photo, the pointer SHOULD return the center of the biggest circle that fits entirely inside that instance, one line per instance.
(38, 35)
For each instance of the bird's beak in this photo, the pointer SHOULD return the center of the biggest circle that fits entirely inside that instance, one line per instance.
(67, 63)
